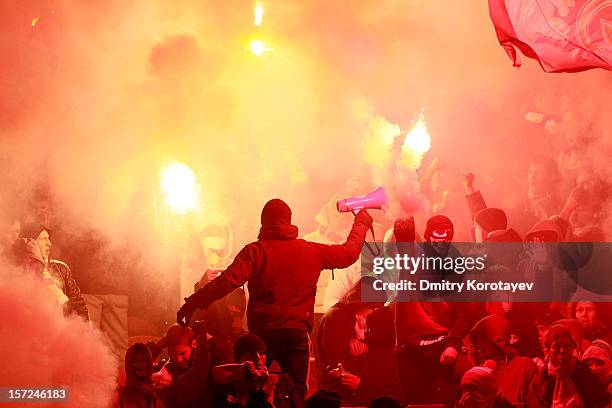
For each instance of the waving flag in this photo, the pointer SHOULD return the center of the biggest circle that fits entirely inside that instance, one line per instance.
(563, 35)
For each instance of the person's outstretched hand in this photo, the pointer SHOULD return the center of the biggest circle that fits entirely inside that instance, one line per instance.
(183, 316)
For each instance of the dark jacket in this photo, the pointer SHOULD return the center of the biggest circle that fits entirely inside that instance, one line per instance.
(189, 389)
(591, 390)
(282, 272)
(476, 203)
(336, 332)
(284, 396)
(68, 285)
(417, 323)
(27, 253)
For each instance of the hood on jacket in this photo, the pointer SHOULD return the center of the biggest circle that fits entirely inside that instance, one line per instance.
(276, 222)
(504, 235)
(491, 219)
(546, 230)
(492, 336)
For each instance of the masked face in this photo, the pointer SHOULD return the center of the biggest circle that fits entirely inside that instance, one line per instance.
(441, 235)
(440, 239)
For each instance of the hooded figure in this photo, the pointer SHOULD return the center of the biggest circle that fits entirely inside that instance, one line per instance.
(512, 374)
(430, 334)
(282, 272)
(546, 231)
(138, 391)
(545, 261)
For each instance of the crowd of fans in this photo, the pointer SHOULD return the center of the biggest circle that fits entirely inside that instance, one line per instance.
(287, 343)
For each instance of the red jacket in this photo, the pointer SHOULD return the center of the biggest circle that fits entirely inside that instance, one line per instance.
(282, 272)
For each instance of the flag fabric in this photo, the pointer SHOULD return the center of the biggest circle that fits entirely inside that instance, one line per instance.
(563, 35)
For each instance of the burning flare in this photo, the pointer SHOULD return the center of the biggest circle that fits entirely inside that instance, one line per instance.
(416, 144)
(259, 14)
(259, 48)
(180, 188)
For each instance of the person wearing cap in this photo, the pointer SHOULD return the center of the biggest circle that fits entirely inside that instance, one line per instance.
(430, 334)
(33, 251)
(282, 273)
(479, 390)
(598, 357)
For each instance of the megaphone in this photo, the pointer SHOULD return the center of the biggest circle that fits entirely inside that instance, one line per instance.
(376, 199)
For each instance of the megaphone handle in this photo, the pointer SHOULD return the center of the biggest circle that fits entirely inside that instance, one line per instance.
(373, 240)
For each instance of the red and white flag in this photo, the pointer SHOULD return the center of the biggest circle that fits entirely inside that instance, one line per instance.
(563, 35)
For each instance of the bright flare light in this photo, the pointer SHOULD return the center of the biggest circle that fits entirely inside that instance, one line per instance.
(259, 14)
(416, 144)
(418, 139)
(259, 47)
(180, 188)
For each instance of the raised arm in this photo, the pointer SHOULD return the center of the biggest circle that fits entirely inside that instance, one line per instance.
(473, 197)
(234, 276)
(344, 255)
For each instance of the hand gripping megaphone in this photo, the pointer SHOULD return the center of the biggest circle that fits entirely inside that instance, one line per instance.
(376, 199)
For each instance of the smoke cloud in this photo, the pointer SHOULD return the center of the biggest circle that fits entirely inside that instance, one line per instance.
(97, 97)
(44, 349)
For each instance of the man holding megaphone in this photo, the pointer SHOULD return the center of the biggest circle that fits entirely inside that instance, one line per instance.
(282, 272)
